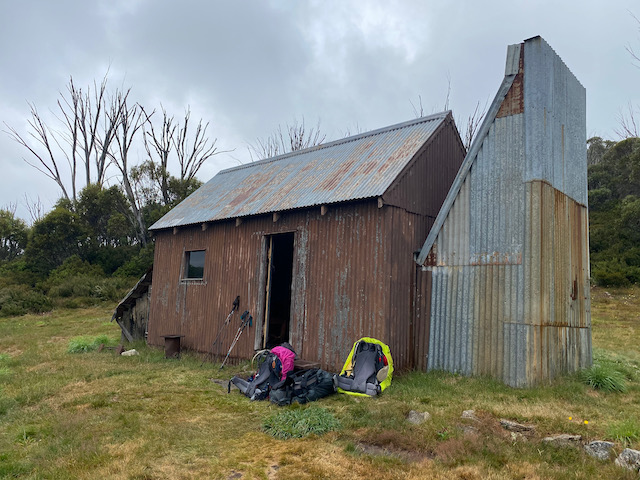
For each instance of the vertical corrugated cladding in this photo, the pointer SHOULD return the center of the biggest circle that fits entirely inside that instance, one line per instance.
(340, 285)
(510, 265)
(346, 281)
(557, 271)
(477, 264)
(422, 320)
(411, 204)
(557, 256)
(424, 183)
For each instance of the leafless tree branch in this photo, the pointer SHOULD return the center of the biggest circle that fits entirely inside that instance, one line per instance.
(192, 157)
(473, 124)
(34, 207)
(628, 124)
(295, 137)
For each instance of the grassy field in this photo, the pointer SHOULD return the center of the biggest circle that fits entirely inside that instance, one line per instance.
(98, 415)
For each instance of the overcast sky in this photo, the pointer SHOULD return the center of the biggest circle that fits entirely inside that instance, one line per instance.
(248, 66)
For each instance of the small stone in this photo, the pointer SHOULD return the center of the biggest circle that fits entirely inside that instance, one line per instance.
(563, 439)
(470, 415)
(599, 449)
(416, 418)
(629, 459)
(516, 427)
(130, 353)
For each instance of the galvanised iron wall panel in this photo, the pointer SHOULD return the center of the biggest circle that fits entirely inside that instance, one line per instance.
(509, 262)
(555, 109)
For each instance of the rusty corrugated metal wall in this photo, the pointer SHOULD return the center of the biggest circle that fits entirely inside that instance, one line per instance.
(341, 282)
(508, 256)
(353, 268)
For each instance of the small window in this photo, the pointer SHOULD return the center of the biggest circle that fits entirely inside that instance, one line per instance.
(194, 267)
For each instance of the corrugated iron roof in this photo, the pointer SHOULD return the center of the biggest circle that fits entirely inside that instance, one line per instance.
(358, 167)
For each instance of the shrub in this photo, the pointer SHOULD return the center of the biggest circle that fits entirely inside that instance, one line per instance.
(604, 377)
(19, 300)
(88, 344)
(300, 422)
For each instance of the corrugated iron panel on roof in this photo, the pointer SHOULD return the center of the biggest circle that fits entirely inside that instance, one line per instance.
(363, 166)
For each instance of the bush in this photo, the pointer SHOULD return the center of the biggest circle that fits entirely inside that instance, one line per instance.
(71, 268)
(139, 264)
(300, 422)
(88, 344)
(91, 287)
(604, 377)
(19, 300)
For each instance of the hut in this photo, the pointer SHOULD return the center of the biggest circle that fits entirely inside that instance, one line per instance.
(503, 287)
(318, 244)
(476, 264)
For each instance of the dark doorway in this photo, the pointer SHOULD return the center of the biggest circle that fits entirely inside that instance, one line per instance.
(278, 289)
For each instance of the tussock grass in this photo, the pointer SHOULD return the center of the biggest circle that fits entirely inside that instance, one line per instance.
(604, 377)
(300, 422)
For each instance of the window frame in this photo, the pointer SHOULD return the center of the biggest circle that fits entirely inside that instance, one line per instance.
(188, 265)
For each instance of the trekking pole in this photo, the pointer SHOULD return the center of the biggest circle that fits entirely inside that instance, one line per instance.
(236, 302)
(246, 320)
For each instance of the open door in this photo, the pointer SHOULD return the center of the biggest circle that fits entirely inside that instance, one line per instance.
(279, 272)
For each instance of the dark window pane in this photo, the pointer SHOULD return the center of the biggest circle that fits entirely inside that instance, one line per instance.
(195, 264)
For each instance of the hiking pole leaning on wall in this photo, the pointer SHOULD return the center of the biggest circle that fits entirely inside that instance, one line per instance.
(246, 320)
(236, 303)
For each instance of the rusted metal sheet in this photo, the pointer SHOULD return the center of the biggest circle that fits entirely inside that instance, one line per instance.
(346, 276)
(359, 167)
(424, 183)
(508, 254)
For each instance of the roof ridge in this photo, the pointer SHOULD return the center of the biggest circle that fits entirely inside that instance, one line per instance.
(341, 141)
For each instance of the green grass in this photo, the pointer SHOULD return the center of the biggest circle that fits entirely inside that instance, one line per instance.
(604, 377)
(98, 415)
(300, 422)
(84, 344)
(626, 432)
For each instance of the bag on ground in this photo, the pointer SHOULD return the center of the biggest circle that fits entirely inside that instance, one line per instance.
(367, 370)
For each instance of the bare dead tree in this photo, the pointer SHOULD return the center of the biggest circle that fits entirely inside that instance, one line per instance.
(11, 208)
(98, 125)
(47, 162)
(473, 124)
(418, 111)
(628, 123)
(130, 122)
(192, 155)
(295, 137)
(34, 207)
(356, 130)
(161, 142)
(88, 127)
(635, 55)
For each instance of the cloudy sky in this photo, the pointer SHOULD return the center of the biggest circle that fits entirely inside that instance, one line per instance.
(248, 66)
